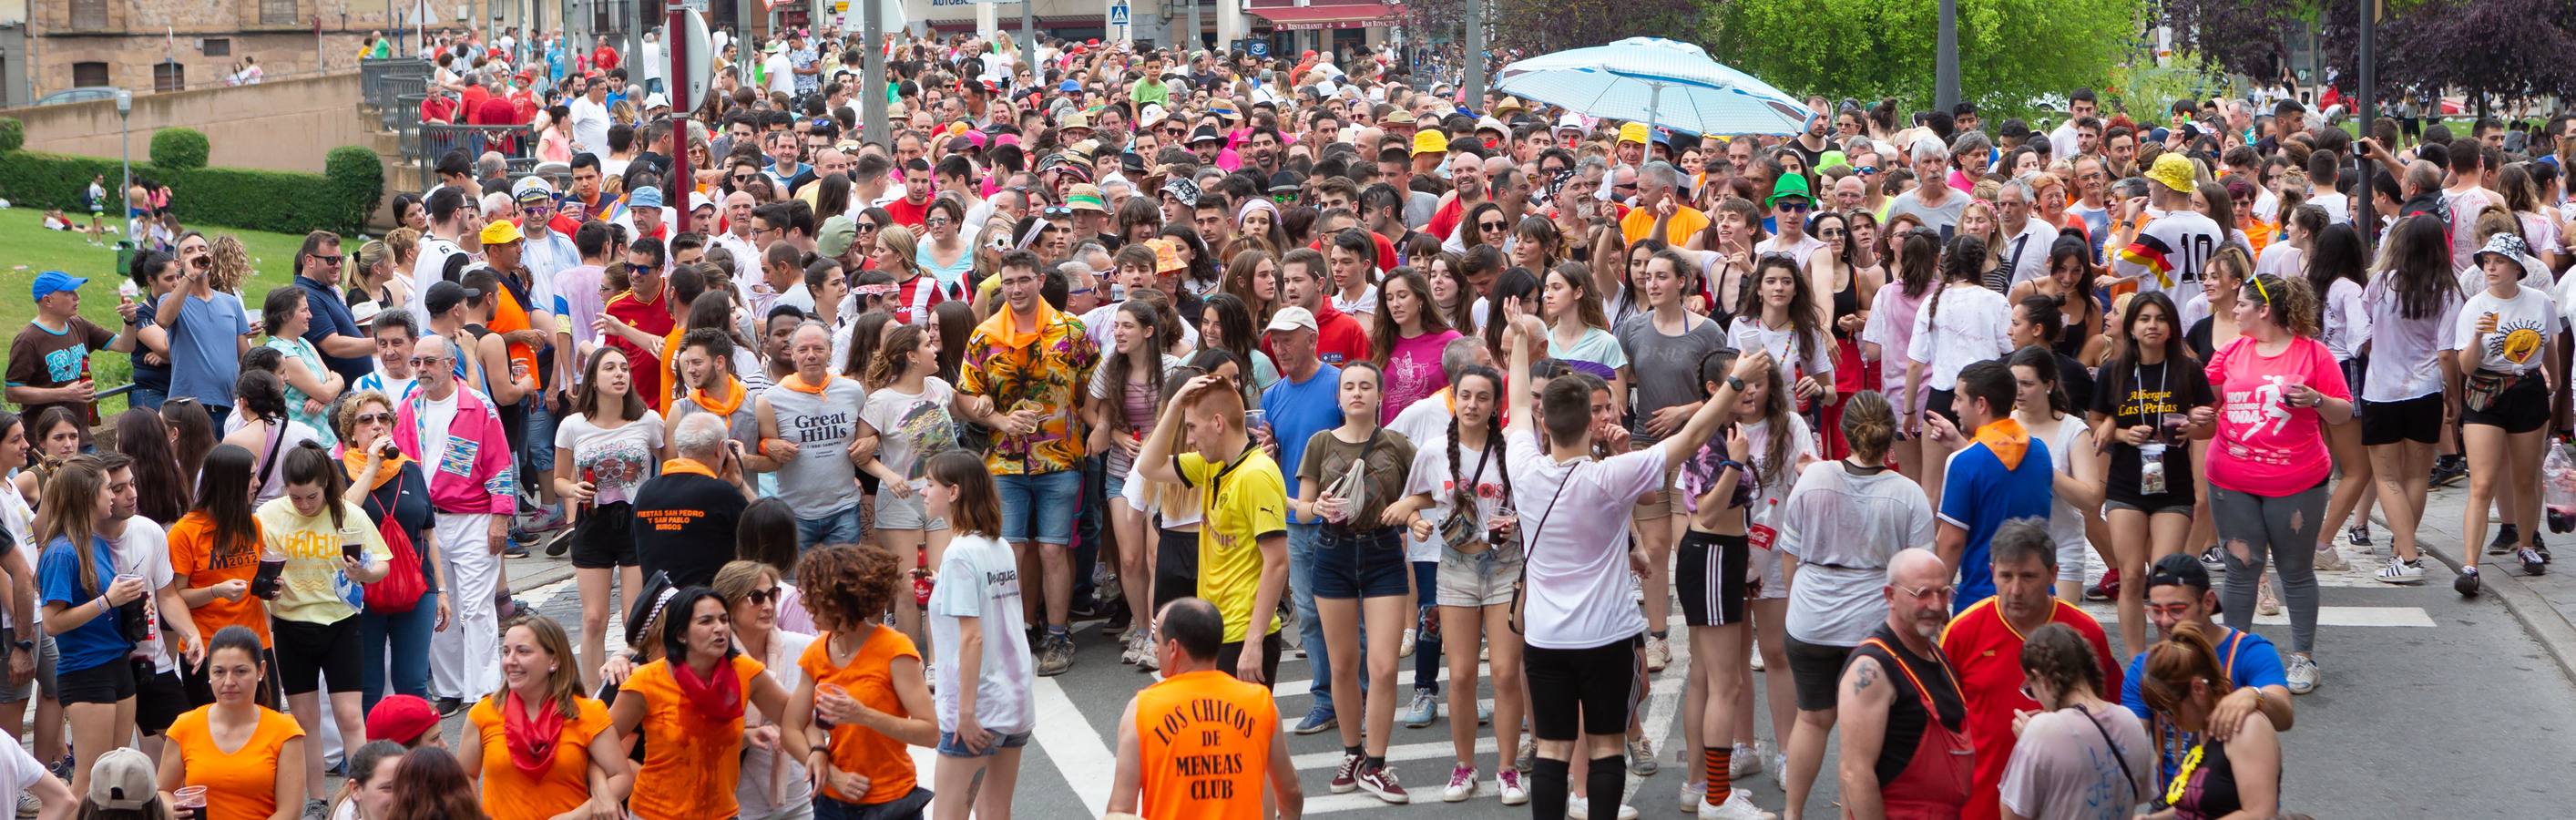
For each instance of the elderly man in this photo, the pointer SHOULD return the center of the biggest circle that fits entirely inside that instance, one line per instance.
(1904, 723)
(1659, 210)
(809, 436)
(696, 501)
(472, 495)
(1934, 203)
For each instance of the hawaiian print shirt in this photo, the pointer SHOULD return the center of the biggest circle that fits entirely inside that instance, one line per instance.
(1044, 369)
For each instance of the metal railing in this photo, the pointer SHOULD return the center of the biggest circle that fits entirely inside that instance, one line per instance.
(372, 73)
(429, 141)
(391, 92)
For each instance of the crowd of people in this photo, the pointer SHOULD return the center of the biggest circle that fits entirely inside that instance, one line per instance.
(1254, 359)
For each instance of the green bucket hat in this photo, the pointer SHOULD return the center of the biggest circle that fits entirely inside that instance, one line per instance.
(1789, 185)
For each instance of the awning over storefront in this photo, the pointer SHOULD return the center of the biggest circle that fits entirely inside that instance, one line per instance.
(1319, 18)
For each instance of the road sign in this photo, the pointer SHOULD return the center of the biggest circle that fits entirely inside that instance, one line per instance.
(1118, 13)
(1260, 48)
(700, 70)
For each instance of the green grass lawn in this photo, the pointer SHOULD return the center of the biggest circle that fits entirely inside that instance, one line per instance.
(32, 249)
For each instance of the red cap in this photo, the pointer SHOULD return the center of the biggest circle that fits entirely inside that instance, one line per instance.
(401, 719)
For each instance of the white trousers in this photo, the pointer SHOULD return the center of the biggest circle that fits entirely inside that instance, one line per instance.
(465, 658)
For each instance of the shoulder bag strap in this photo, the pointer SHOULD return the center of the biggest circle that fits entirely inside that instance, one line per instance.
(277, 441)
(2126, 774)
(1529, 544)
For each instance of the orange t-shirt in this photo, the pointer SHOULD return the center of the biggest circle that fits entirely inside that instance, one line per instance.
(511, 794)
(512, 317)
(1184, 774)
(691, 760)
(193, 559)
(870, 680)
(241, 784)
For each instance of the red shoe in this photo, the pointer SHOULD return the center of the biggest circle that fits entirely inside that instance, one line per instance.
(2107, 590)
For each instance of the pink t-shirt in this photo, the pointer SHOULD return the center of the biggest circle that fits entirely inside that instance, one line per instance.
(2265, 447)
(1413, 371)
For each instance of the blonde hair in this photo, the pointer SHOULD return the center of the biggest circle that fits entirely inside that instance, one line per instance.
(231, 265)
(375, 252)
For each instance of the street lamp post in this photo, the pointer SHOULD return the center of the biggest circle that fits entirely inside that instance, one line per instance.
(125, 148)
(1945, 72)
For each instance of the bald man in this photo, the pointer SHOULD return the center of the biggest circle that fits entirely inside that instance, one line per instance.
(1903, 720)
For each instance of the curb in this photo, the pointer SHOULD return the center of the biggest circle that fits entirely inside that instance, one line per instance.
(2545, 623)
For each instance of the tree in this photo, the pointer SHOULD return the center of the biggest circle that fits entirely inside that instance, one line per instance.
(2487, 50)
(1536, 27)
(2010, 51)
(2249, 37)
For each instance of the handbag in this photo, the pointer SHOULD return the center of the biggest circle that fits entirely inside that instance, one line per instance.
(1520, 585)
(403, 586)
(1463, 530)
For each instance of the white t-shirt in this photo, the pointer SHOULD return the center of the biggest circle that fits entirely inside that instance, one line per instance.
(2338, 207)
(590, 123)
(1958, 326)
(436, 415)
(1577, 569)
(1814, 354)
(18, 771)
(2402, 350)
(2027, 252)
(911, 427)
(2168, 253)
(1365, 305)
(2061, 768)
(2347, 323)
(780, 73)
(1805, 247)
(615, 460)
(980, 578)
(2524, 325)
(1843, 528)
(428, 269)
(145, 551)
(1435, 475)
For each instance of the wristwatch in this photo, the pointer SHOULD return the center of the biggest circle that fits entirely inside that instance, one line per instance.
(1735, 383)
(24, 645)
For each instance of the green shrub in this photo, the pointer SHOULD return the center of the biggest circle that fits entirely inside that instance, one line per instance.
(280, 201)
(179, 149)
(13, 134)
(357, 180)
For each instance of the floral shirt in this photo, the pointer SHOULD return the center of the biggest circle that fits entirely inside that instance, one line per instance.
(1045, 369)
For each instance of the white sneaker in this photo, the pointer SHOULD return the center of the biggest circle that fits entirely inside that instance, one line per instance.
(2403, 573)
(1754, 649)
(1405, 649)
(2300, 673)
(1746, 762)
(1127, 652)
(1462, 785)
(1577, 808)
(1694, 794)
(2331, 559)
(1509, 779)
(1659, 653)
(2266, 602)
(1738, 806)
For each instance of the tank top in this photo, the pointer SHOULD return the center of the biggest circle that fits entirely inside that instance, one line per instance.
(2205, 787)
(1205, 739)
(1846, 301)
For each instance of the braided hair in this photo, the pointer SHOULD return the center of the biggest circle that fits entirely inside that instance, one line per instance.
(1458, 479)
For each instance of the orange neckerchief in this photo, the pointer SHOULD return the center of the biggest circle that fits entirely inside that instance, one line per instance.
(1002, 329)
(355, 459)
(796, 382)
(2006, 439)
(723, 406)
(690, 466)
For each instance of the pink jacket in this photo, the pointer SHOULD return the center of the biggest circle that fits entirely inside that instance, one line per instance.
(474, 474)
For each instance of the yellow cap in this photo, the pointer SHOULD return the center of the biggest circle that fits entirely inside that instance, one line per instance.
(1633, 132)
(500, 232)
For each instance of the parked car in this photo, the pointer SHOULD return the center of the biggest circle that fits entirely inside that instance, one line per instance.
(82, 94)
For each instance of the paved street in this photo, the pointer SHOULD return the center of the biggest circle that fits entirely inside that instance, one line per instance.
(2415, 678)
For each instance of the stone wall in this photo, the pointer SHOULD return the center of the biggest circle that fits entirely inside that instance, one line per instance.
(285, 125)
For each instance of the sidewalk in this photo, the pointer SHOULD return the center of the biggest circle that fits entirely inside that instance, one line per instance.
(2545, 605)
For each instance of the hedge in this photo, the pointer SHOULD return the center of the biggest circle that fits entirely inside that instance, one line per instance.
(278, 201)
(13, 134)
(180, 149)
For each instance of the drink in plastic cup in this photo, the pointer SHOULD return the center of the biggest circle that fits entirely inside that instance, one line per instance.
(190, 801)
(822, 690)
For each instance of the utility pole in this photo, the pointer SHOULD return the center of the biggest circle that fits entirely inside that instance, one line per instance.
(872, 81)
(1945, 76)
(2369, 73)
(1475, 56)
(1194, 41)
(676, 189)
(1028, 35)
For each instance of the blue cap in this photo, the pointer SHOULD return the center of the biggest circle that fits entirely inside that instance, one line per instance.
(54, 281)
(1069, 87)
(2156, 135)
(645, 198)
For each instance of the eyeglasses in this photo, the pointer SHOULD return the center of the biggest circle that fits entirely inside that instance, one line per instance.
(761, 596)
(2170, 610)
(1055, 211)
(423, 361)
(1941, 592)
(332, 259)
(373, 418)
(935, 222)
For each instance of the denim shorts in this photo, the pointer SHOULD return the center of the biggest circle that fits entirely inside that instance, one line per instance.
(540, 445)
(949, 747)
(1039, 507)
(1361, 564)
(841, 527)
(1479, 580)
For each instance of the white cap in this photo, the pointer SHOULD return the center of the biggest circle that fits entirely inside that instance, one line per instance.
(1292, 318)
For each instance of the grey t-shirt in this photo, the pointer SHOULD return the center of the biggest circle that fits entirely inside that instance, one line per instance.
(820, 480)
(1666, 367)
(1943, 218)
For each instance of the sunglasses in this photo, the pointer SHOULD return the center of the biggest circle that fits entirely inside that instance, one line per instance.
(1491, 227)
(867, 227)
(373, 418)
(1866, 170)
(1793, 207)
(1054, 211)
(332, 259)
(762, 596)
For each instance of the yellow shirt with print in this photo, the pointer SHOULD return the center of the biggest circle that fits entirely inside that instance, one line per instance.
(1245, 501)
(1686, 221)
(315, 588)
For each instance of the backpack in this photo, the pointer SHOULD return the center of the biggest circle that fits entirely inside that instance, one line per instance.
(402, 587)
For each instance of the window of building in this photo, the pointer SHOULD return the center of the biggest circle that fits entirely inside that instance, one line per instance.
(169, 75)
(89, 14)
(89, 74)
(219, 46)
(277, 12)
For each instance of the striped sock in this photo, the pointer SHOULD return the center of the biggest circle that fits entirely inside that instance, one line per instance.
(1718, 761)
